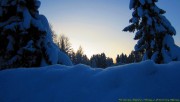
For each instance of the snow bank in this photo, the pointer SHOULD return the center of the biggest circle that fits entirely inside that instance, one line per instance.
(81, 83)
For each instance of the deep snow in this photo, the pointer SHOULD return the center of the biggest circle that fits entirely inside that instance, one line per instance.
(81, 83)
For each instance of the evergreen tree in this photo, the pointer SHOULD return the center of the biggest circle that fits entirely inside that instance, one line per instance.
(79, 56)
(102, 60)
(131, 58)
(25, 36)
(93, 63)
(154, 31)
(85, 60)
(123, 58)
(109, 62)
(117, 59)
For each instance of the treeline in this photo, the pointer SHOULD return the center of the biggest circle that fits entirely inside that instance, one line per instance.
(133, 57)
(96, 60)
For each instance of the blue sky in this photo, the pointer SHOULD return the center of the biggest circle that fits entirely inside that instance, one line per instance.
(97, 25)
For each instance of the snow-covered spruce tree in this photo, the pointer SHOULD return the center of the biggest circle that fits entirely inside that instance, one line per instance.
(154, 32)
(25, 36)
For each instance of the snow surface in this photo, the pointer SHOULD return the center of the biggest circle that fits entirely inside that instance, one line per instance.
(81, 83)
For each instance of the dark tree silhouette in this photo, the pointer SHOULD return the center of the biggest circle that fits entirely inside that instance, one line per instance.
(153, 32)
(25, 36)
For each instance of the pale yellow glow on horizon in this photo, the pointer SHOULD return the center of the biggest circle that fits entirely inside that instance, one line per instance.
(97, 39)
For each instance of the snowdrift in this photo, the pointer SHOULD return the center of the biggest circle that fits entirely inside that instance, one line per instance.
(81, 83)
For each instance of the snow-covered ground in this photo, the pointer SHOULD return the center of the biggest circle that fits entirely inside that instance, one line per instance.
(81, 83)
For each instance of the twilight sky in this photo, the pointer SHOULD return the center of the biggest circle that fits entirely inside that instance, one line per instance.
(97, 25)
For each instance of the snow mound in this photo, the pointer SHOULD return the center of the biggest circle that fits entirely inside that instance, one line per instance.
(81, 83)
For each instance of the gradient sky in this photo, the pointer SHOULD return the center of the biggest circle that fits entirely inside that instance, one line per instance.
(97, 25)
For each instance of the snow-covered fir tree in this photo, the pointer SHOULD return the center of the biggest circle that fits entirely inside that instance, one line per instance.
(25, 36)
(153, 32)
